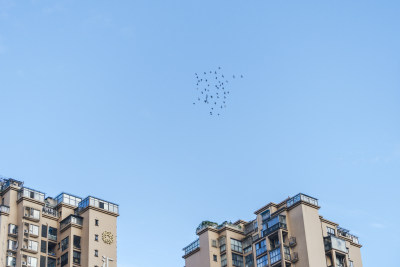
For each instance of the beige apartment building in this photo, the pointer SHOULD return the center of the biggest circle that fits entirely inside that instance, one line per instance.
(65, 231)
(291, 233)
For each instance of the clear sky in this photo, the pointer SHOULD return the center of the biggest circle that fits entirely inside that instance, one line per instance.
(96, 98)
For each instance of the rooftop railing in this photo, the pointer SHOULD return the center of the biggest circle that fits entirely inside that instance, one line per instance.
(191, 247)
(30, 193)
(206, 224)
(50, 211)
(68, 199)
(301, 197)
(346, 233)
(98, 203)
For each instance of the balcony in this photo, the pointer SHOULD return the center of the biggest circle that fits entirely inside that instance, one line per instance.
(6, 183)
(275, 223)
(332, 242)
(30, 194)
(50, 211)
(68, 199)
(71, 220)
(191, 247)
(4, 209)
(98, 203)
(301, 197)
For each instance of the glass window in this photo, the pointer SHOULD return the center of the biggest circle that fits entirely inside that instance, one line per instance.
(11, 261)
(236, 245)
(32, 262)
(53, 233)
(12, 229)
(331, 231)
(261, 247)
(33, 245)
(44, 231)
(12, 245)
(43, 246)
(263, 261)
(77, 257)
(249, 260)
(275, 255)
(64, 243)
(51, 262)
(215, 257)
(96, 253)
(265, 215)
(223, 260)
(64, 259)
(237, 260)
(77, 241)
(33, 229)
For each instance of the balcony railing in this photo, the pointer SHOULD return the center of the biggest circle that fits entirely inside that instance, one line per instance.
(333, 242)
(301, 197)
(50, 211)
(71, 219)
(191, 247)
(346, 233)
(5, 209)
(274, 228)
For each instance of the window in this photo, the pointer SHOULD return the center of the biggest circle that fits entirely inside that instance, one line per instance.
(77, 242)
(12, 229)
(331, 231)
(12, 245)
(32, 262)
(96, 222)
(351, 263)
(223, 260)
(261, 247)
(222, 245)
(44, 231)
(96, 237)
(263, 261)
(43, 246)
(214, 243)
(33, 245)
(275, 255)
(42, 261)
(237, 260)
(265, 215)
(64, 243)
(247, 249)
(215, 257)
(77, 257)
(34, 229)
(96, 253)
(236, 245)
(32, 213)
(340, 261)
(52, 233)
(249, 260)
(11, 261)
(64, 259)
(51, 262)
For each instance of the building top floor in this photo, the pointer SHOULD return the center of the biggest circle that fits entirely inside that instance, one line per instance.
(75, 202)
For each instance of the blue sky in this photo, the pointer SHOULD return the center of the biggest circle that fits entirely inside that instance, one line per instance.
(96, 98)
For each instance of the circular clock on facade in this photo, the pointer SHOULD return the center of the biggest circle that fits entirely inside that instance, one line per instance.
(107, 237)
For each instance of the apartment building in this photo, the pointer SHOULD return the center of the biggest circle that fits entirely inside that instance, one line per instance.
(291, 233)
(65, 231)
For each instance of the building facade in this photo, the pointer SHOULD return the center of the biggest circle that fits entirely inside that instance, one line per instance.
(291, 233)
(65, 231)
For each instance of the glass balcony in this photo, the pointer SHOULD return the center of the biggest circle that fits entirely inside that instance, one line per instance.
(71, 219)
(68, 199)
(191, 247)
(346, 233)
(5, 209)
(30, 193)
(301, 197)
(6, 183)
(98, 203)
(275, 223)
(332, 242)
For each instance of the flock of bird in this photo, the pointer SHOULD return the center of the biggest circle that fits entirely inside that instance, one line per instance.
(212, 90)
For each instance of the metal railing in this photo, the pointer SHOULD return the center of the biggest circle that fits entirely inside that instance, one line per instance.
(301, 197)
(192, 246)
